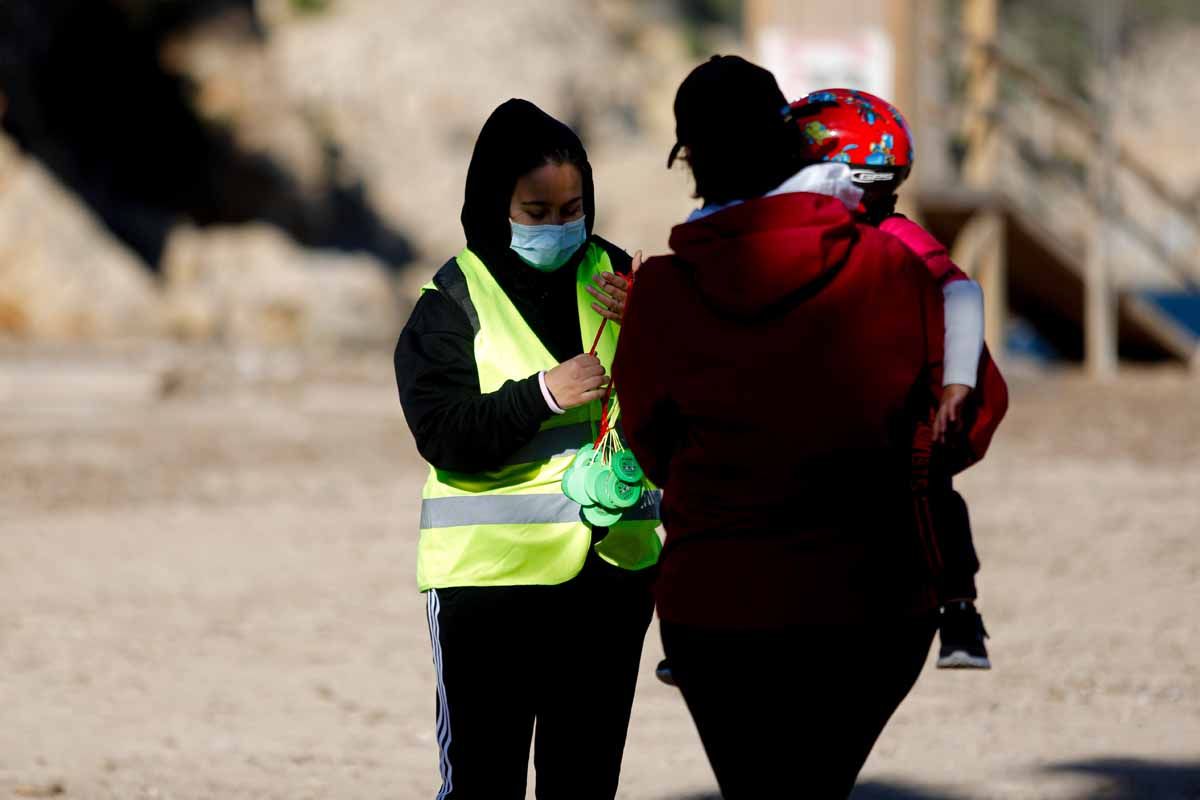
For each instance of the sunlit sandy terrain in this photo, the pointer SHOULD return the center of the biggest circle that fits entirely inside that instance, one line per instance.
(206, 591)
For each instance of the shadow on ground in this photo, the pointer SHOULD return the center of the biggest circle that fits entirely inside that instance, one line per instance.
(1134, 779)
(1115, 779)
(868, 790)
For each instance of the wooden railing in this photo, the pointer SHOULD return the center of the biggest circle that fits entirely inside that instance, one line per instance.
(1074, 113)
(990, 131)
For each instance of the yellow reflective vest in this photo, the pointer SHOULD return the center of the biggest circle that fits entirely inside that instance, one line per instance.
(513, 525)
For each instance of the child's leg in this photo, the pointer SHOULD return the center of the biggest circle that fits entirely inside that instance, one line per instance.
(962, 630)
(952, 526)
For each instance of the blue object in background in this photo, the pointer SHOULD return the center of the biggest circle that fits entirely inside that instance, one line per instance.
(1182, 307)
(1022, 340)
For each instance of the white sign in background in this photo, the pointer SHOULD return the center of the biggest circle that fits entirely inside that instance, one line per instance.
(806, 61)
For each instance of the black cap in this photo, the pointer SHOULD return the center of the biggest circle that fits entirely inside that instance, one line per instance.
(723, 99)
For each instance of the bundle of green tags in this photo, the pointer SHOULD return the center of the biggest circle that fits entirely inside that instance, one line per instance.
(606, 483)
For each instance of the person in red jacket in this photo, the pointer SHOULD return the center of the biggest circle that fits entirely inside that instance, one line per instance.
(779, 374)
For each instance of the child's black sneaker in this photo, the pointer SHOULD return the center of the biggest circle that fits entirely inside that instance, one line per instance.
(664, 674)
(962, 638)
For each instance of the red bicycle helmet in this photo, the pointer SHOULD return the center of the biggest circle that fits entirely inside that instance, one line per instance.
(859, 129)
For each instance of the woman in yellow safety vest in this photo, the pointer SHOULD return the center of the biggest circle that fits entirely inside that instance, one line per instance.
(534, 614)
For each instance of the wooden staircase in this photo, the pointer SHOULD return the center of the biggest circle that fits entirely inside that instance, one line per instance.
(1046, 276)
(1005, 213)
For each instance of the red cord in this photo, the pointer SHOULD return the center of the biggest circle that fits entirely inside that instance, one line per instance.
(604, 417)
(599, 333)
(592, 352)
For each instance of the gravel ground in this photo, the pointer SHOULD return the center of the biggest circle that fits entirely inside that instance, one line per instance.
(206, 591)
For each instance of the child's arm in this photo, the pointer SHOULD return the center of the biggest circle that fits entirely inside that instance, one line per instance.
(963, 302)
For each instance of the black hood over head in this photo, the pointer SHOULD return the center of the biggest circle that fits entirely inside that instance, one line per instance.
(518, 137)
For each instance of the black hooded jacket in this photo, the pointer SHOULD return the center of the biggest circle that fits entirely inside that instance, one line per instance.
(457, 427)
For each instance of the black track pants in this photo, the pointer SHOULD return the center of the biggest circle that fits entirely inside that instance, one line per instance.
(793, 712)
(564, 656)
(952, 526)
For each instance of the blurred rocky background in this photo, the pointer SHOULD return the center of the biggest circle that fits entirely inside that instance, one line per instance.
(214, 216)
(291, 170)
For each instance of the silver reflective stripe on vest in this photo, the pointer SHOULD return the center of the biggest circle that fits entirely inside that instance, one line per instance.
(518, 509)
(498, 509)
(551, 443)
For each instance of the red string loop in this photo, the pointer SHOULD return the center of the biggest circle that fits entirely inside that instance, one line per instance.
(608, 393)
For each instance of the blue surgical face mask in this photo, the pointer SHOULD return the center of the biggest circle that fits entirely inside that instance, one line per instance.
(548, 247)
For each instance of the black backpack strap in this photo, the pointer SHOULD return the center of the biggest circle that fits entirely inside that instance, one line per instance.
(451, 282)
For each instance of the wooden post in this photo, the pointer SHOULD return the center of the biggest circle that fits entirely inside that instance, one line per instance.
(993, 279)
(755, 16)
(902, 30)
(981, 22)
(1100, 304)
(981, 249)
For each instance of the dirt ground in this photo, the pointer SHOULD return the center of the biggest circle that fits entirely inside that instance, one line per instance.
(206, 591)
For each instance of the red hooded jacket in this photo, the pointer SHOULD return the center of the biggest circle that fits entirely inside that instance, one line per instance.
(772, 374)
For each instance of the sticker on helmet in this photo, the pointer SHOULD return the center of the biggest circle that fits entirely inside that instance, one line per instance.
(844, 155)
(870, 176)
(816, 132)
(881, 151)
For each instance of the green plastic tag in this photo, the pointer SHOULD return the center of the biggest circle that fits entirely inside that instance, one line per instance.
(627, 468)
